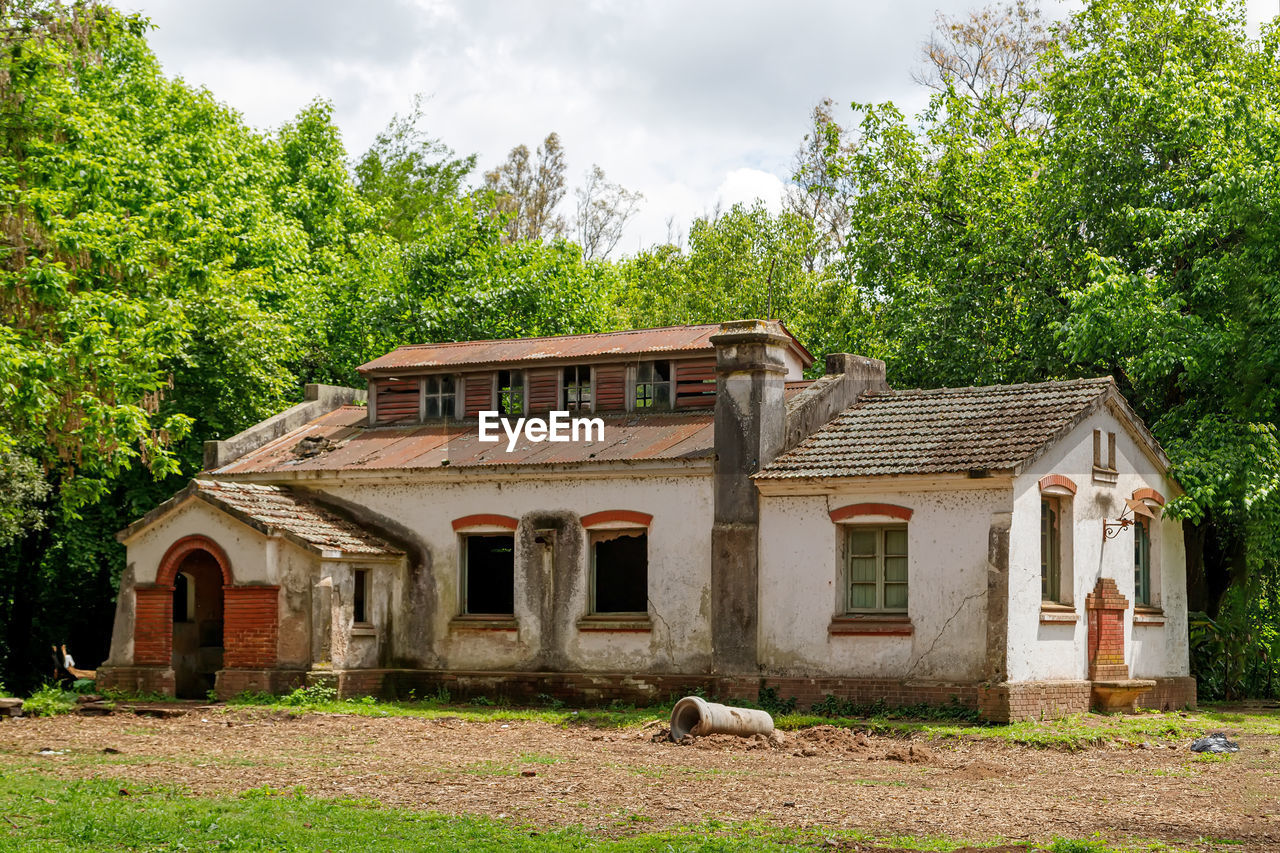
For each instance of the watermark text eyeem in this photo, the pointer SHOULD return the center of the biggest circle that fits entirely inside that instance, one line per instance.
(557, 427)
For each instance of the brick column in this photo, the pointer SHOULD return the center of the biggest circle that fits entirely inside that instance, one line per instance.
(152, 625)
(250, 626)
(1106, 607)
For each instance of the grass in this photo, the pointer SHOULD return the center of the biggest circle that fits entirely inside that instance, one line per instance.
(55, 815)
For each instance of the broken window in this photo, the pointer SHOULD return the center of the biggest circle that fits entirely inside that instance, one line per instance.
(876, 568)
(1142, 562)
(1050, 549)
(620, 571)
(489, 574)
(360, 597)
(577, 389)
(440, 396)
(511, 392)
(653, 385)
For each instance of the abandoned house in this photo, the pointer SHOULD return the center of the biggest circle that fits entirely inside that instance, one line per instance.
(734, 527)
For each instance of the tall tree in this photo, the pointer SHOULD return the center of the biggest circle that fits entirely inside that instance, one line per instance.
(411, 178)
(603, 211)
(527, 189)
(820, 191)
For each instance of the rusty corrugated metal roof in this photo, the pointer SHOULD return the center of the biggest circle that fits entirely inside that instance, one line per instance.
(341, 441)
(681, 339)
(940, 431)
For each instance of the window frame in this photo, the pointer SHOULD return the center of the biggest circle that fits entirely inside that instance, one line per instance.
(439, 395)
(1051, 549)
(655, 404)
(576, 387)
(880, 580)
(516, 383)
(464, 559)
(1142, 563)
(596, 537)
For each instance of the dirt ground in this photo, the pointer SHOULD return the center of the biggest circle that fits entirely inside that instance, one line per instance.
(630, 780)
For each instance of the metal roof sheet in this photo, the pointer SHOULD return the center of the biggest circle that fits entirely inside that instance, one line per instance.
(341, 441)
(675, 339)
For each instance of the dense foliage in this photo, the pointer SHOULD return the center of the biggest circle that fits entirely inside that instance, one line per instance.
(1107, 201)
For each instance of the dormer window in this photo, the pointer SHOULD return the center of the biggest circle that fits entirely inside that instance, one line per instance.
(511, 392)
(577, 389)
(439, 397)
(653, 385)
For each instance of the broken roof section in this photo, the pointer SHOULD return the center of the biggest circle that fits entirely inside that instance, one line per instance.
(342, 441)
(274, 510)
(949, 430)
(685, 340)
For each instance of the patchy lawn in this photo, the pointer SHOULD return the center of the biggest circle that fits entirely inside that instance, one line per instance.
(405, 777)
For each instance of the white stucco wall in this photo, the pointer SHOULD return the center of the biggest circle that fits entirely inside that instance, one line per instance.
(802, 587)
(679, 571)
(1059, 650)
(251, 562)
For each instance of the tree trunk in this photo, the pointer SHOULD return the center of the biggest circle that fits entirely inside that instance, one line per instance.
(1215, 560)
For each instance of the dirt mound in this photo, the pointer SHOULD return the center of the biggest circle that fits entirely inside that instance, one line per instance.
(832, 739)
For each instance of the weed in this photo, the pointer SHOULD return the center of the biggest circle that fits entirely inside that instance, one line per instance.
(49, 700)
(770, 701)
(546, 700)
(313, 695)
(481, 701)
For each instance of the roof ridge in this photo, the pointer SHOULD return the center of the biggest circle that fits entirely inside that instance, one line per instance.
(1018, 386)
(552, 337)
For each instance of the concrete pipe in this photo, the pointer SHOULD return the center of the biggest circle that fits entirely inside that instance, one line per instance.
(698, 717)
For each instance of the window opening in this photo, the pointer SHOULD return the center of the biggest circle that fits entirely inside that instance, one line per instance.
(510, 392)
(489, 568)
(360, 596)
(1142, 562)
(1050, 549)
(620, 569)
(653, 385)
(877, 568)
(577, 388)
(440, 396)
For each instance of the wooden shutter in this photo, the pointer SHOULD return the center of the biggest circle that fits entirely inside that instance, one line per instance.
(611, 388)
(479, 393)
(544, 389)
(397, 400)
(695, 382)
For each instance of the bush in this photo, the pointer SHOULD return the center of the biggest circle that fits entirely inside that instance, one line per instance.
(831, 706)
(770, 701)
(48, 701)
(1237, 655)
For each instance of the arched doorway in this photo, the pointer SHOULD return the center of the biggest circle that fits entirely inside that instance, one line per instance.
(196, 572)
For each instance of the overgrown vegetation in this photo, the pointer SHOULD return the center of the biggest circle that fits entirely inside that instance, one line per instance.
(49, 700)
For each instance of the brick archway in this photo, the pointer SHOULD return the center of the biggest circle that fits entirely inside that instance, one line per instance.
(185, 546)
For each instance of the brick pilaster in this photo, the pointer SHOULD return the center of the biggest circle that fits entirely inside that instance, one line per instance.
(152, 625)
(250, 626)
(1106, 607)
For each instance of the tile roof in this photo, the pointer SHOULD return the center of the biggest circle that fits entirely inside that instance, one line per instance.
(683, 339)
(272, 510)
(942, 430)
(341, 441)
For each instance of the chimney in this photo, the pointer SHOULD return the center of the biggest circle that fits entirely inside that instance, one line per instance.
(750, 428)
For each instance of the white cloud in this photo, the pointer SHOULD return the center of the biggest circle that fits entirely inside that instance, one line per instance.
(745, 186)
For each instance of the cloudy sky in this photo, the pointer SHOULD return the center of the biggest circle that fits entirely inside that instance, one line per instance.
(691, 103)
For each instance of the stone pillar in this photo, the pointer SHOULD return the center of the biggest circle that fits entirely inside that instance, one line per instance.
(750, 429)
(1106, 607)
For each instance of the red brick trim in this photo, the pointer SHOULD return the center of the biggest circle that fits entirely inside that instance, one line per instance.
(179, 551)
(613, 516)
(486, 520)
(1050, 480)
(844, 513)
(1148, 494)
